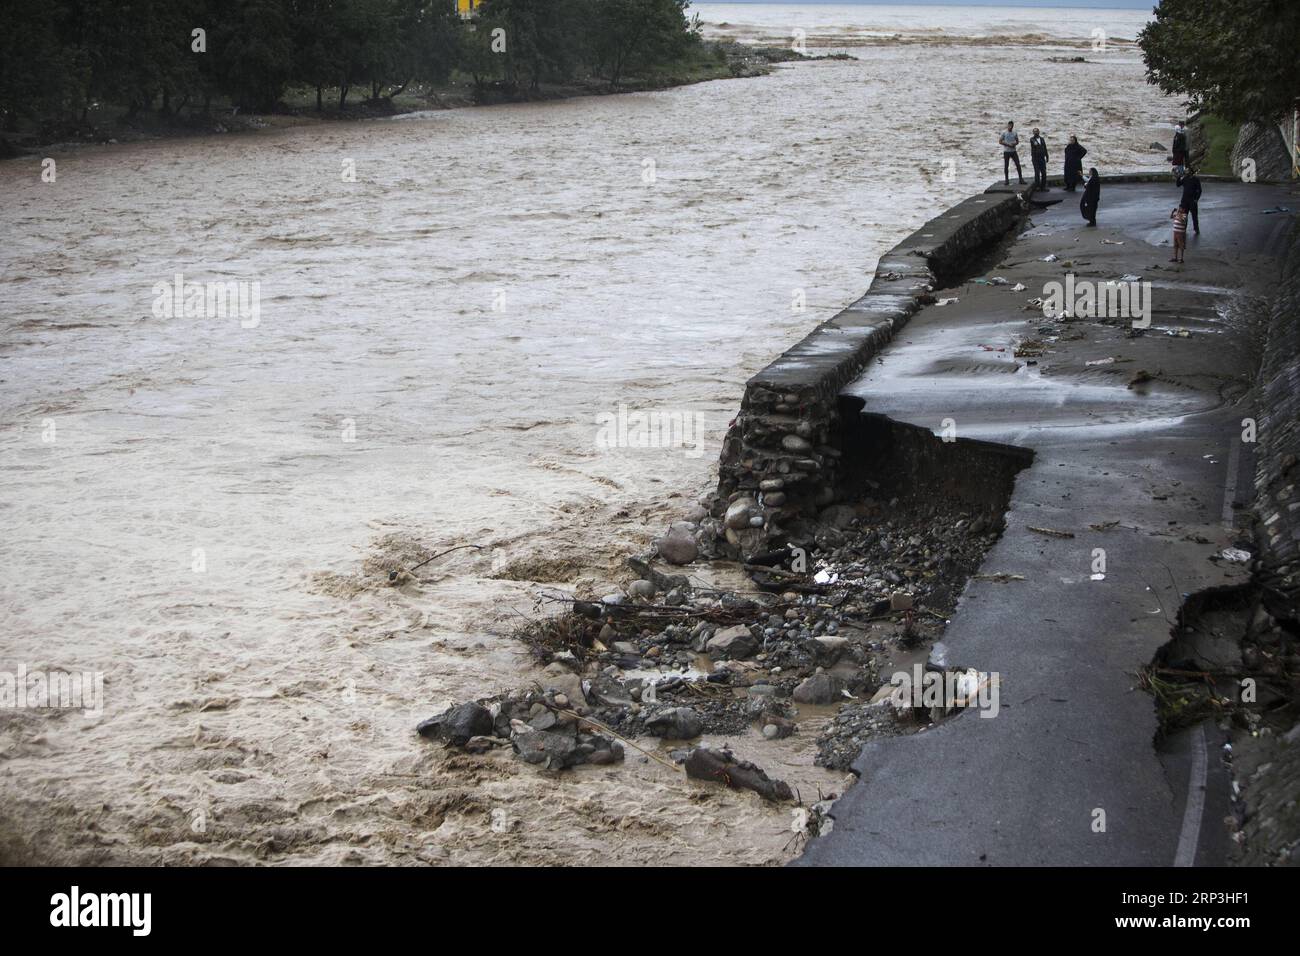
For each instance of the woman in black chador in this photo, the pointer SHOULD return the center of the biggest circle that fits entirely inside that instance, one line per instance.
(1091, 197)
(1074, 154)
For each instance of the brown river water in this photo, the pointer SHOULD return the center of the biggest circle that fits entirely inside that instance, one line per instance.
(203, 508)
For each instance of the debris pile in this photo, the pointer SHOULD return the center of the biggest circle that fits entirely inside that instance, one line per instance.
(674, 660)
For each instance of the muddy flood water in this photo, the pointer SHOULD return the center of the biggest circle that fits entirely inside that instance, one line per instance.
(204, 509)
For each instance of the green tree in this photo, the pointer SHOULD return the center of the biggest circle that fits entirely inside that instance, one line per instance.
(252, 50)
(1235, 58)
(316, 41)
(42, 70)
(631, 36)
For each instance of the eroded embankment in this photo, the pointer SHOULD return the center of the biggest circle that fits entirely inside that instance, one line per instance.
(782, 458)
(856, 535)
(1266, 758)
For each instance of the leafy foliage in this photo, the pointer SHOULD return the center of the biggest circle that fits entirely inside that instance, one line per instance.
(58, 58)
(1235, 58)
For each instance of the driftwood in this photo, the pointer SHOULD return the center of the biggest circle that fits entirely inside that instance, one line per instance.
(719, 766)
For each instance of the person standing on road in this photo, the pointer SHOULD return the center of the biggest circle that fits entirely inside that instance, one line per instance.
(1038, 154)
(1091, 197)
(1191, 184)
(1074, 154)
(1180, 144)
(1010, 141)
(1179, 216)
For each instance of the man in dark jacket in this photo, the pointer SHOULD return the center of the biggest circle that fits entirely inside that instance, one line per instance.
(1191, 184)
(1074, 154)
(1038, 153)
(1091, 197)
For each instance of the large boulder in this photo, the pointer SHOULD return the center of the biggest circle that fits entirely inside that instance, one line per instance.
(819, 689)
(558, 678)
(732, 643)
(678, 547)
(827, 650)
(457, 725)
(838, 516)
(677, 723)
(553, 751)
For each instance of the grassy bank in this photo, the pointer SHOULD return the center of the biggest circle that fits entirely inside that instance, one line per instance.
(1217, 137)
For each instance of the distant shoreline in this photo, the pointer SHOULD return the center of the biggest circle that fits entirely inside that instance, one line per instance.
(733, 61)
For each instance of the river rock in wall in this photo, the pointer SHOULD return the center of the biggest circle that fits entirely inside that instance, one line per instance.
(739, 512)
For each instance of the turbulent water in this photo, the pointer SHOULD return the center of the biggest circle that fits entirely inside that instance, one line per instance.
(203, 509)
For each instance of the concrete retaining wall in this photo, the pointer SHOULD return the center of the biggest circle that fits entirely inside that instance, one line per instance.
(781, 458)
(1277, 477)
(1263, 143)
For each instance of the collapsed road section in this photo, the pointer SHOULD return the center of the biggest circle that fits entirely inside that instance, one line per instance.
(984, 490)
(1143, 430)
(854, 536)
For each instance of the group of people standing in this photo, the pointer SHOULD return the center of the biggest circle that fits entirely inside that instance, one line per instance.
(1184, 176)
(1074, 154)
(1189, 203)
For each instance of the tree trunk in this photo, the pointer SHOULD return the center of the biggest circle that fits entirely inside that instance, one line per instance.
(343, 96)
(318, 97)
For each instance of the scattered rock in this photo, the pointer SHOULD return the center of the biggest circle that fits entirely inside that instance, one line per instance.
(556, 678)
(838, 516)
(819, 689)
(553, 751)
(732, 643)
(678, 548)
(457, 724)
(828, 650)
(677, 723)
(642, 590)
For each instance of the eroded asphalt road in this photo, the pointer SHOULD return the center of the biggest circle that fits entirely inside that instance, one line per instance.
(1154, 474)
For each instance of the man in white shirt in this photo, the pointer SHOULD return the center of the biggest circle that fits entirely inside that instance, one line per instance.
(1010, 141)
